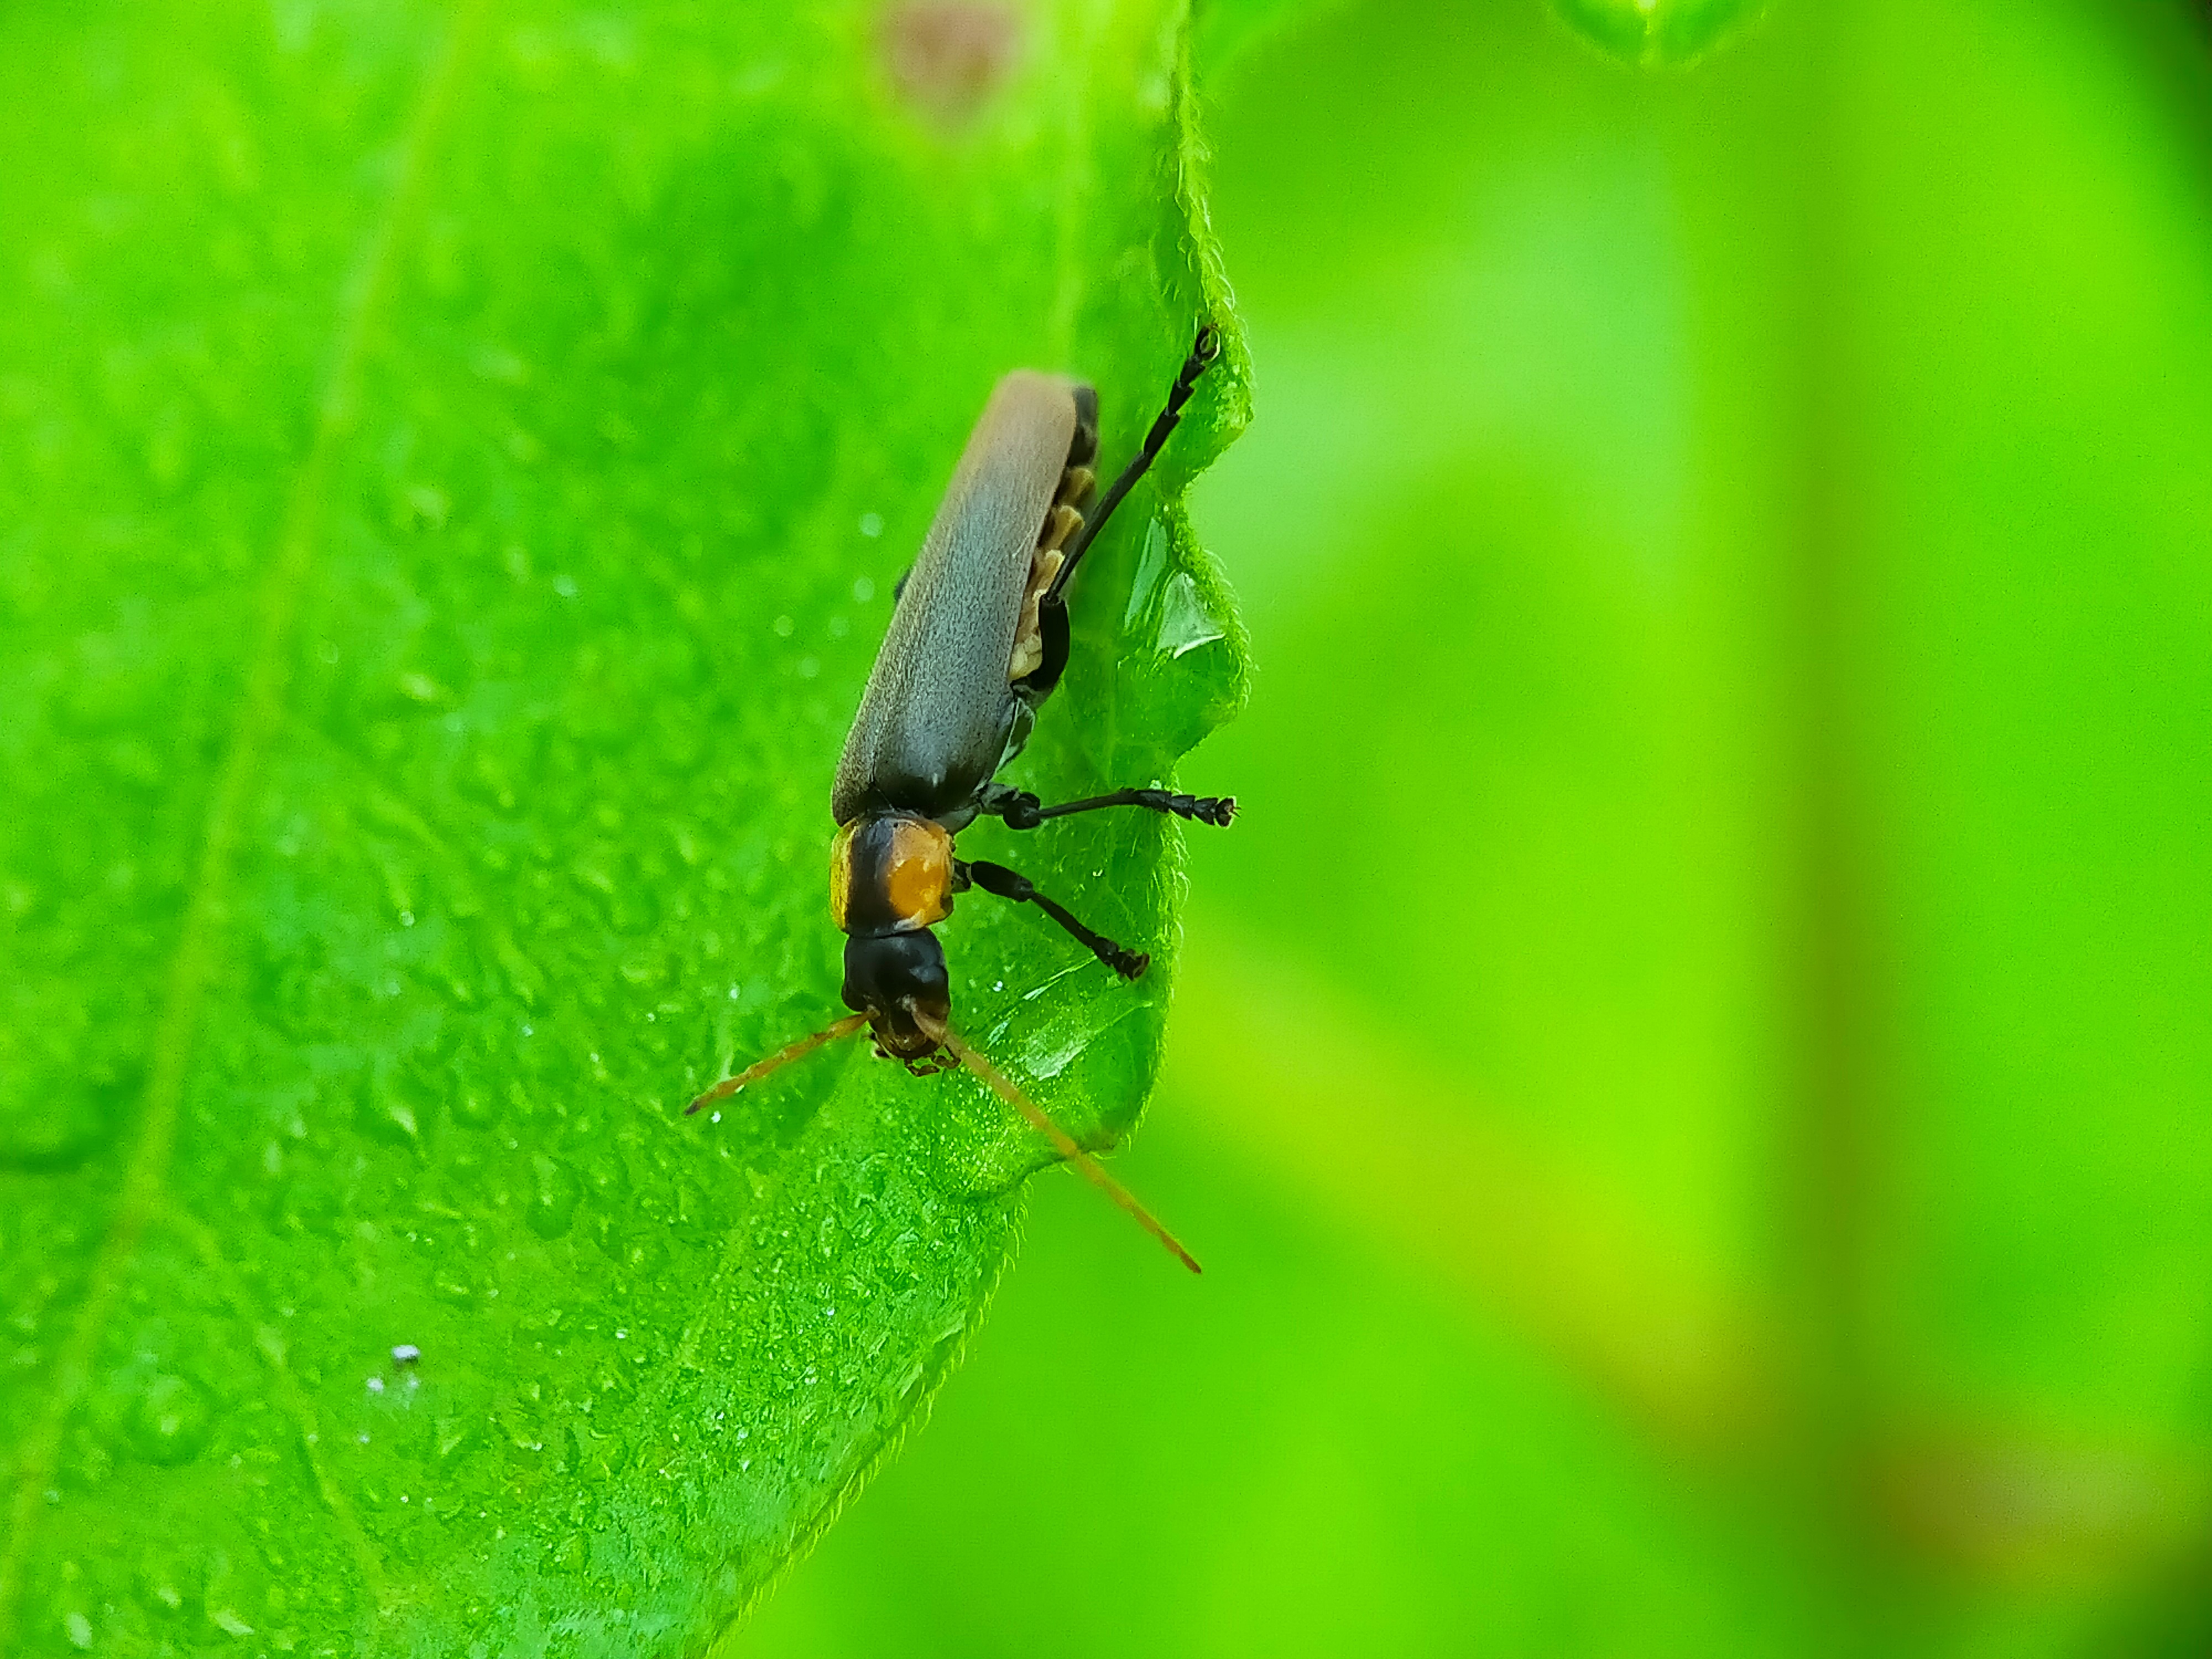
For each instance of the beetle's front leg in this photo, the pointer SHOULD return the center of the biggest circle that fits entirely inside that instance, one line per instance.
(1011, 885)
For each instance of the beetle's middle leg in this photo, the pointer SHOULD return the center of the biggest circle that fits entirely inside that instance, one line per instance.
(1011, 885)
(1021, 810)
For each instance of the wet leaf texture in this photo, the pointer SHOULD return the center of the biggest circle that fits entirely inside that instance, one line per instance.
(455, 464)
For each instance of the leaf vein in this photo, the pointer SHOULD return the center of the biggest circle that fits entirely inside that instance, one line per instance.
(259, 718)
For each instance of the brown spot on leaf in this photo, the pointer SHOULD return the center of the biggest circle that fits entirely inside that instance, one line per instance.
(946, 58)
(2032, 1509)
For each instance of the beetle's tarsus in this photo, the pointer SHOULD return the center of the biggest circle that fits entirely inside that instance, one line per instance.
(1216, 810)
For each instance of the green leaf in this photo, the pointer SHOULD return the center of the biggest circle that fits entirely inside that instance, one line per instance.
(453, 468)
(1722, 1169)
(1659, 34)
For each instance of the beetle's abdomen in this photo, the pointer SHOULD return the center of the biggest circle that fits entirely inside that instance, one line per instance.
(1061, 522)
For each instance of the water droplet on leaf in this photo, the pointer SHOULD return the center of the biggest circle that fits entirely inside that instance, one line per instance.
(388, 1114)
(1185, 621)
(54, 1115)
(552, 1206)
(170, 1421)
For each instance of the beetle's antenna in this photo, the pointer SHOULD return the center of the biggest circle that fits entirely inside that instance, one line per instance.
(783, 1056)
(1004, 1088)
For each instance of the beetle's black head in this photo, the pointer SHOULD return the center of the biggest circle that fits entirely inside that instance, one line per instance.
(898, 980)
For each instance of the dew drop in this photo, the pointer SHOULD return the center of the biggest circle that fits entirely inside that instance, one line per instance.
(1185, 621)
(473, 1105)
(157, 1582)
(388, 1116)
(783, 626)
(552, 1206)
(429, 506)
(51, 1118)
(871, 526)
(170, 1421)
(864, 590)
(78, 1629)
(608, 1181)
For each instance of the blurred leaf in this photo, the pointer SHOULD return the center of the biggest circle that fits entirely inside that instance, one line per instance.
(1721, 901)
(1659, 34)
(454, 468)
(1225, 32)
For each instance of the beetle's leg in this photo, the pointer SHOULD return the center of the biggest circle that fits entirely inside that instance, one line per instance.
(1203, 809)
(1203, 351)
(1022, 810)
(1017, 808)
(1010, 884)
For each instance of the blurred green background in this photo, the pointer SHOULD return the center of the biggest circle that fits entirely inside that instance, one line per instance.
(1689, 1080)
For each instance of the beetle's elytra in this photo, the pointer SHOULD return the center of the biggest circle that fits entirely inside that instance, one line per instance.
(978, 638)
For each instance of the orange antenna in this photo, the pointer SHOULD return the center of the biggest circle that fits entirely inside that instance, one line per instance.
(783, 1056)
(1004, 1088)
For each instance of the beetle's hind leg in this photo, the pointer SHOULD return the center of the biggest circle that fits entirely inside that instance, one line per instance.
(1203, 350)
(1011, 885)
(1022, 810)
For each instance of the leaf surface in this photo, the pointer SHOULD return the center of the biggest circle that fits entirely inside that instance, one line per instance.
(453, 468)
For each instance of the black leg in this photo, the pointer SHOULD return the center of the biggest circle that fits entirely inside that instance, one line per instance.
(1203, 351)
(1010, 885)
(1021, 810)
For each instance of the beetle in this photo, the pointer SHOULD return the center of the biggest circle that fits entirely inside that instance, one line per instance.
(978, 640)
